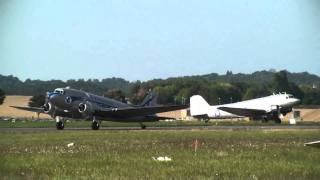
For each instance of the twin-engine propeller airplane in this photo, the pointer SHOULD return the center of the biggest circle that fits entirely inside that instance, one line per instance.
(77, 104)
(272, 107)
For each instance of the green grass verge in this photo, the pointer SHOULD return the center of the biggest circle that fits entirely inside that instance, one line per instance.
(128, 155)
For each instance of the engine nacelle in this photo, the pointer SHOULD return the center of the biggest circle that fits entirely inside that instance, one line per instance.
(48, 108)
(87, 109)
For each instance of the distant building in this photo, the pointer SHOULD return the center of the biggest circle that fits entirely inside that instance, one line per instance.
(178, 114)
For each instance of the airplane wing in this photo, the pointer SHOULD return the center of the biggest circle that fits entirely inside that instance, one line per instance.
(243, 111)
(32, 109)
(137, 111)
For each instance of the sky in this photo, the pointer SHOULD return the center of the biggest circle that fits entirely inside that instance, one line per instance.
(147, 39)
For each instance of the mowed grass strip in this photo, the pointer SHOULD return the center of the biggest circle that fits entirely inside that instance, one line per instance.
(128, 155)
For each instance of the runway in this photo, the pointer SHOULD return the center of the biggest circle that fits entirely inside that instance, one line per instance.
(173, 128)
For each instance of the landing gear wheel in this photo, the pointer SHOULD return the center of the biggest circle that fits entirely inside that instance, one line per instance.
(95, 125)
(60, 125)
(143, 126)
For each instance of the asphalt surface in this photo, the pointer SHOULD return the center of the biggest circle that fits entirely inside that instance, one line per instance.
(173, 128)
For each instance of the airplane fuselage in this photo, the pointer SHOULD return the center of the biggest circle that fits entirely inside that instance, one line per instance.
(65, 103)
(279, 103)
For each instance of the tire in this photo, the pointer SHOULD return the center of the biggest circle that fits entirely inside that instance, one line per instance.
(60, 125)
(95, 125)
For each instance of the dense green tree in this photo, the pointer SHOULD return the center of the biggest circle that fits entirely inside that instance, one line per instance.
(242, 87)
(280, 82)
(213, 87)
(182, 96)
(116, 94)
(37, 101)
(2, 96)
(166, 94)
(311, 95)
(138, 93)
(295, 90)
(256, 91)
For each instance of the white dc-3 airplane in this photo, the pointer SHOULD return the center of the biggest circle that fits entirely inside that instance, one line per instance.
(272, 107)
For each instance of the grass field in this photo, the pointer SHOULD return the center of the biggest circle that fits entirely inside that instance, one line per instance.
(128, 155)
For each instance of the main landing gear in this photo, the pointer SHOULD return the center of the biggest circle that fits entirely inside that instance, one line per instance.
(277, 120)
(95, 124)
(59, 123)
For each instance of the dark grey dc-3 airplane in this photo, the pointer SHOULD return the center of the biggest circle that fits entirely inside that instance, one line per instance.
(77, 104)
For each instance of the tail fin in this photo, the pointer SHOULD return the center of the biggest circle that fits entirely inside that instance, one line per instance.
(198, 106)
(150, 99)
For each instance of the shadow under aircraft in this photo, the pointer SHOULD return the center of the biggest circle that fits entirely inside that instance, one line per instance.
(78, 104)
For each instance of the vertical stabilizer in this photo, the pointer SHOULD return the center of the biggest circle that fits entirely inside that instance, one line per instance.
(150, 99)
(198, 106)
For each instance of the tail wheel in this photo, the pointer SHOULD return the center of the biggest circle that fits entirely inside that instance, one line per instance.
(143, 126)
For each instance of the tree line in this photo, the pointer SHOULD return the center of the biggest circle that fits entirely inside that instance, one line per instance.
(217, 89)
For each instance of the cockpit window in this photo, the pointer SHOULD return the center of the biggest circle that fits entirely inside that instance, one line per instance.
(59, 91)
(290, 96)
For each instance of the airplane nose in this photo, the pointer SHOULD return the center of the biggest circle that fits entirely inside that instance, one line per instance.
(52, 97)
(297, 101)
